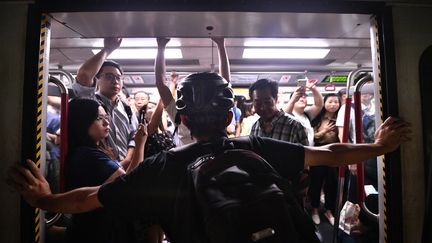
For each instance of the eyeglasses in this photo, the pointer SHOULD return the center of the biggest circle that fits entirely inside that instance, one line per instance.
(112, 77)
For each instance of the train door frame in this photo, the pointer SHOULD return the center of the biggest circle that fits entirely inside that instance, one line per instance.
(383, 14)
(425, 75)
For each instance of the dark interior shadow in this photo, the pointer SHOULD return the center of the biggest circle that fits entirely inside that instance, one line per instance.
(425, 72)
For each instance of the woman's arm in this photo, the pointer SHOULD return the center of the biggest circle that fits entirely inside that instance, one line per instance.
(164, 91)
(140, 140)
(156, 119)
(224, 66)
(315, 109)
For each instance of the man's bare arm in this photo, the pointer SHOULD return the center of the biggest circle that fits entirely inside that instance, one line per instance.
(36, 191)
(90, 68)
(388, 137)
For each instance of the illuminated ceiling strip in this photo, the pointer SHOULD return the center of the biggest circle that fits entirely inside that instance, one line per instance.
(285, 53)
(285, 42)
(140, 53)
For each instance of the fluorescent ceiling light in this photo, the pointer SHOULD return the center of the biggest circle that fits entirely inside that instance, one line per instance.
(139, 42)
(285, 53)
(140, 53)
(286, 42)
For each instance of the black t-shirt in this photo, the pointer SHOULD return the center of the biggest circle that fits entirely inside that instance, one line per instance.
(159, 188)
(88, 166)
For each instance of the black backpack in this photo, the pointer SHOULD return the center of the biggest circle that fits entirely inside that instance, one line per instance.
(243, 199)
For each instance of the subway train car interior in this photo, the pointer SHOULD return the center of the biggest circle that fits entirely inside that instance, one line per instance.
(376, 49)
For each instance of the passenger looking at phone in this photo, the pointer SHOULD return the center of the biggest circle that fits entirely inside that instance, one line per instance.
(298, 107)
(325, 177)
(102, 80)
(89, 163)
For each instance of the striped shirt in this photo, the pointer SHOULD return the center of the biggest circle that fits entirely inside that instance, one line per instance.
(283, 127)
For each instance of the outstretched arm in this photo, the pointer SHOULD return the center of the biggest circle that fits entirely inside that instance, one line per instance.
(315, 109)
(164, 91)
(224, 66)
(35, 190)
(388, 137)
(90, 68)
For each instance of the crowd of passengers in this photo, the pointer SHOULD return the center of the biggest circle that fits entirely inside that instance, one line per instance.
(111, 131)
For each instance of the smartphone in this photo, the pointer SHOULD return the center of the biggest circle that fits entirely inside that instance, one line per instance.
(301, 82)
(142, 113)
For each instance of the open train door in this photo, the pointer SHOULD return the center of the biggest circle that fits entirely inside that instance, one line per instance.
(36, 76)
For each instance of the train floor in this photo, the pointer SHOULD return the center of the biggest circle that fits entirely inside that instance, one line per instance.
(325, 229)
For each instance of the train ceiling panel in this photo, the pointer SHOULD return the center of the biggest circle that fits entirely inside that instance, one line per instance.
(229, 24)
(75, 35)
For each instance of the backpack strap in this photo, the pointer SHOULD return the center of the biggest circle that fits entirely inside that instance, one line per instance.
(128, 110)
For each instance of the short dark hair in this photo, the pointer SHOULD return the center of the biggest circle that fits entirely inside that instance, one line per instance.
(109, 63)
(264, 83)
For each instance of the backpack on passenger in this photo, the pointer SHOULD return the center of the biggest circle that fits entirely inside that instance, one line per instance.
(243, 199)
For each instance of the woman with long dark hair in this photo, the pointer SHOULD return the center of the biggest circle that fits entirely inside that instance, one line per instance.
(88, 163)
(325, 132)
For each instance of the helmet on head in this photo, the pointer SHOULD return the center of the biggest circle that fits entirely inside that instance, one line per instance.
(204, 93)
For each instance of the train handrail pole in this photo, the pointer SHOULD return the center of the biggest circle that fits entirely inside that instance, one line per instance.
(345, 135)
(361, 196)
(63, 138)
(63, 125)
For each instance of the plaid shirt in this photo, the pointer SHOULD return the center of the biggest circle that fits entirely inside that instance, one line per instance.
(284, 127)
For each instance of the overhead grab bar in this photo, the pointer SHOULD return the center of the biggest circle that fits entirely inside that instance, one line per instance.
(358, 123)
(67, 74)
(63, 125)
(330, 86)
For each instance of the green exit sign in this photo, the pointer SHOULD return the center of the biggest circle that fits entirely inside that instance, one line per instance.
(336, 79)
